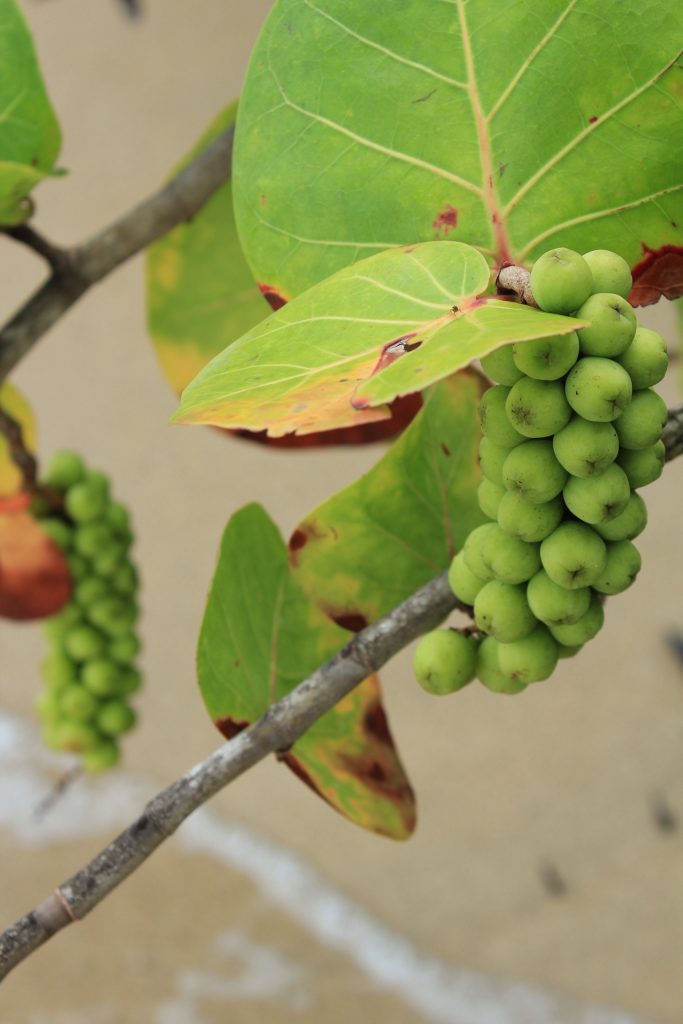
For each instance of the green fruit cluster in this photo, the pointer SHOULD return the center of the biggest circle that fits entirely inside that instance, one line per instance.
(571, 430)
(89, 672)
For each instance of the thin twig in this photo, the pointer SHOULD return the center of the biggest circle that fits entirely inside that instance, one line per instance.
(79, 268)
(278, 729)
(56, 258)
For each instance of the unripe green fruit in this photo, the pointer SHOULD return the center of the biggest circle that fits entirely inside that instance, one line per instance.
(98, 480)
(646, 358)
(510, 560)
(610, 272)
(644, 466)
(553, 604)
(58, 531)
(528, 522)
(586, 448)
(90, 590)
(58, 669)
(574, 555)
(547, 358)
(623, 565)
(85, 501)
(102, 677)
(489, 671)
(530, 659)
(125, 579)
(628, 524)
(117, 516)
(64, 470)
(598, 389)
(108, 562)
(76, 737)
(584, 629)
(494, 420)
(131, 681)
(444, 661)
(83, 642)
(642, 423)
(613, 325)
(491, 459)
(92, 538)
(537, 408)
(532, 471)
(114, 615)
(597, 499)
(488, 496)
(77, 704)
(47, 704)
(115, 717)
(499, 366)
(472, 551)
(78, 566)
(501, 610)
(124, 648)
(462, 581)
(568, 650)
(561, 281)
(105, 755)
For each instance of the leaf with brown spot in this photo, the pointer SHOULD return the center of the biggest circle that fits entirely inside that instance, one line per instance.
(368, 547)
(34, 576)
(260, 637)
(14, 403)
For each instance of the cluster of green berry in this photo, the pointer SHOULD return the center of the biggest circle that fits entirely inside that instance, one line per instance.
(571, 429)
(89, 671)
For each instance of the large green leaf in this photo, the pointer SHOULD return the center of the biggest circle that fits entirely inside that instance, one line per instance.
(201, 294)
(557, 122)
(419, 307)
(260, 637)
(371, 545)
(29, 133)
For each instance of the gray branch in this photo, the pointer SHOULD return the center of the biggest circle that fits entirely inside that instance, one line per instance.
(75, 270)
(277, 730)
(673, 433)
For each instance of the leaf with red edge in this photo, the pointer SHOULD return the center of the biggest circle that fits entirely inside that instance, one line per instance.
(260, 637)
(369, 546)
(14, 403)
(34, 577)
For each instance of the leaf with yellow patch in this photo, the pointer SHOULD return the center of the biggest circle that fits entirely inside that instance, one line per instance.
(14, 403)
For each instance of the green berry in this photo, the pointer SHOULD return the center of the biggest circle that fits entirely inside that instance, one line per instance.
(76, 737)
(462, 581)
(102, 677)
(64, 470)
(610, 272)
(500, 367)
(78, 566)
(108, 562)
(622, 567)
(510, 560)
(89, 590)
(586, 448)
(131, 681)
(531, 523)
(85, 501)
(102, 756)
(115, 717)
(561, 281)
(58, 669)
(472, 551)
(531, 659)
(92, 538)
(58, 531)
(124, 648)
(113, 615)
(584, 629)
(98, 480)
(631, 522)
(444, 661)
(573, 555)
(117, 517)
(537, 408)
(598, 389)
(612, 325)
(568, 650)
(494, 420)
(77, 704)
(644, 466)
(646, 358)
(125, 579)
(532, 471)
(491, 459)
(501, 610)
(553, 604)
(488, 496)
(489, 671)
(83, 642)
(641, 424)
(47, 704)
(547, 358)
(597, 499)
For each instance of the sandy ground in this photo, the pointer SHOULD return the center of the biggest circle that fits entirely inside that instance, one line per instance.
(539, 883)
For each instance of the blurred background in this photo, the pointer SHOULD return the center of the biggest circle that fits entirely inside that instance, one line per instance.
(545, 878)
